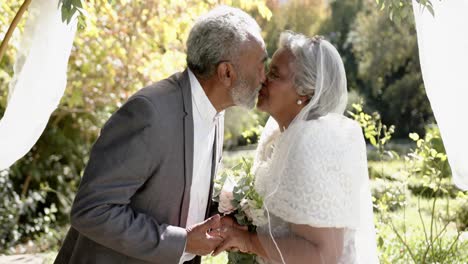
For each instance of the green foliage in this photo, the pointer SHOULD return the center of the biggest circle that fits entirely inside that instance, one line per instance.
(447, 249)
(461, 211)
(301, 16)
(241, 258)
(9, 211)
(388, 71)
(243, 190)
(392, 169)
(7, 12)
(381, 62)
(242, 127)
(337, 27)
(16, 208)
(429, 166)
(69, 8)
(428, 236)
(244, 198)
(388, 196)
(400, 10)
(375, 131)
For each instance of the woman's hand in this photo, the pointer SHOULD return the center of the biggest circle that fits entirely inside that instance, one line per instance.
(229, 221)
(236, 237)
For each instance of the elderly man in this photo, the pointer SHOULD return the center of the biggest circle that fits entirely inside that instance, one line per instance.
(146, 190)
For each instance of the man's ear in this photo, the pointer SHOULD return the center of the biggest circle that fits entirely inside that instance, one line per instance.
(226, 74)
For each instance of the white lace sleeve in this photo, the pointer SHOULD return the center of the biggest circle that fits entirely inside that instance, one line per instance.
(324, 166)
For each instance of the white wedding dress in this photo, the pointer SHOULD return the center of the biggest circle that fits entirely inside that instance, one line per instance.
(315, 173)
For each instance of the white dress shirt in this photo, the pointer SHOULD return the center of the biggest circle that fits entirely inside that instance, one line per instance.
(204, 120)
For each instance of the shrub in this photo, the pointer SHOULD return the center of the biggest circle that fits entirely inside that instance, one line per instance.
(387, 195)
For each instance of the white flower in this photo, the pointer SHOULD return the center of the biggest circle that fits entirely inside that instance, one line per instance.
(226, 196)
(255, 214)
(225, 202)
(243, 203)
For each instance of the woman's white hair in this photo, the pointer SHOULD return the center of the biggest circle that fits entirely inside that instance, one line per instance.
(218, 36)
(319, 73)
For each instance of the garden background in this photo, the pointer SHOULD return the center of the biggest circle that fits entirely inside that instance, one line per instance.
(124, 45)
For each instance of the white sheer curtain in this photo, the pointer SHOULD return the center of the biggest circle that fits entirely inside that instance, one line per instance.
(39, 79)
(443, 52)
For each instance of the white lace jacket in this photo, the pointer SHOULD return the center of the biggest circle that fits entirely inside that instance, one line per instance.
(315, 173)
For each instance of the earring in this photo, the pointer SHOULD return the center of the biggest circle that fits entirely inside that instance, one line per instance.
(299, 102)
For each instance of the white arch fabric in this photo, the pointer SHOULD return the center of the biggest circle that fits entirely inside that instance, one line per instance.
(443, 52)
(39, 79)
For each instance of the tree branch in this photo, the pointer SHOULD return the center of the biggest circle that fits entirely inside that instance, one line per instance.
(12, 27)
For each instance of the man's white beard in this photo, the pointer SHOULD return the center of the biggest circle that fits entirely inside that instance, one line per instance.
(243, 96)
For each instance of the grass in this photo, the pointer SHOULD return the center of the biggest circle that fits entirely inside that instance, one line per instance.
(430, 239)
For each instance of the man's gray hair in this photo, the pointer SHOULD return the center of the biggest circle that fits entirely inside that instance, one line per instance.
(218, 36)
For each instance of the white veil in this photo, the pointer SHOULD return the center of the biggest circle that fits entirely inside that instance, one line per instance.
(39, 79)
(445, 78)
(315, 183)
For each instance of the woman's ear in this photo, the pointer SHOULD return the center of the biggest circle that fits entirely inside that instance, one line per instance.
(304, 99)
(226, 74)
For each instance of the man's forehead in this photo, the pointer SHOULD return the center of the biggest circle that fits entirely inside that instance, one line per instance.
(260, 44)
(254, 44)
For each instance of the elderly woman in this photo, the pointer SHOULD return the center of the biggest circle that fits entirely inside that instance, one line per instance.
(311, 166)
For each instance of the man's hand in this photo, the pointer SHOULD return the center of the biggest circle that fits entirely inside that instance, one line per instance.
(199, 242)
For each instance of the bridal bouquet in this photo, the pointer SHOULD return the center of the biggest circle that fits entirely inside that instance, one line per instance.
(235, 193)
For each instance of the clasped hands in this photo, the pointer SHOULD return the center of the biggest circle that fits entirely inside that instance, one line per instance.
(217, 234)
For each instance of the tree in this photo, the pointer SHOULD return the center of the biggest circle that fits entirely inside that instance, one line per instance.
(388, 70)
(336, 28)
(401, 10)
(302, 16)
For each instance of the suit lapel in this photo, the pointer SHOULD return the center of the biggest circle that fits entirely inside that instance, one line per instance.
(188, 146)
(213, 171)
(217, 154)
(184, 83)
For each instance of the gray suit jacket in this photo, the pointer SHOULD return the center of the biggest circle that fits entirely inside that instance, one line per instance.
(133, 199)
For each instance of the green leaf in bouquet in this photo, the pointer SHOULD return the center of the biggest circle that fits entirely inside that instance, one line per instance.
(241, 219)
(241, 258)
(235, 203)
(218, 184)
(238, 195)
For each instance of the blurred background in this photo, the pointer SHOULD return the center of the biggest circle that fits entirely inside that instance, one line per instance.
(124, 45)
